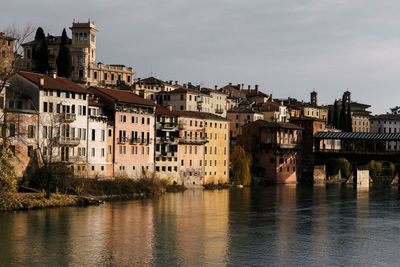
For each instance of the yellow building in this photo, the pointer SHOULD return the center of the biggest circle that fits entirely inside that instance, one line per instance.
(216, 151)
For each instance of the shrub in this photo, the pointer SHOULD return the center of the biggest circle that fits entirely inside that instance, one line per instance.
(8, 181)
(345, 167)
(332, 167)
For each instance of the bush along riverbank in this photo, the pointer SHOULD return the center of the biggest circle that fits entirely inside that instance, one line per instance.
(58, 187)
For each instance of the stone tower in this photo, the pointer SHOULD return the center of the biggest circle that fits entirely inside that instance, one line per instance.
(314, 98)
(83, 49)
(347, 97)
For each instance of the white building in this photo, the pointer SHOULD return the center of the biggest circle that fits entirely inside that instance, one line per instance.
(98, 166)
(62, 122)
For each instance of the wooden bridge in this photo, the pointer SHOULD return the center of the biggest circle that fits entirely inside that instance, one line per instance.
(358, 149)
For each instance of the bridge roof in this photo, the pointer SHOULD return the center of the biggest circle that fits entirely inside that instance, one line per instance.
(358, 136)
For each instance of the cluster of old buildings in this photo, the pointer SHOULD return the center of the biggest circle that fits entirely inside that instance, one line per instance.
(104, 122)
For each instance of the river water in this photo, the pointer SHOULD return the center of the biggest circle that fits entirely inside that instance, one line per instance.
(284, 225)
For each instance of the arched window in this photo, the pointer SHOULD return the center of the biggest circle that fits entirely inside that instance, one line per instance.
(85, 36)
(80, 37)
(76, 36)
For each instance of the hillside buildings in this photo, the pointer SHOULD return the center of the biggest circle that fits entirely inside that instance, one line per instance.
(82, 46)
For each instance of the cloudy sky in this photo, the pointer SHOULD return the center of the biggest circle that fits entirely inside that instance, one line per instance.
(287, 47)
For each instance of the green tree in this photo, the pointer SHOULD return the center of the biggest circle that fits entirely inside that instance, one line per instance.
(8, 181)
(336, 115)
(349, 123)
(345, 167)
(240, 166)
(40, 54)
(64, 61)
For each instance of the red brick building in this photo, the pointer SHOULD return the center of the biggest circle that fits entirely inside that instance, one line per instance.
(275, 149)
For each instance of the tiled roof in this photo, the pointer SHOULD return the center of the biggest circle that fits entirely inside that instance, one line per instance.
(386, 117)
(269, 106)
(363, 136)
(165, 111)
(189, 114)
(51, 40)
(58, 83)
(242, 110)
(185, 90)
(274, 124)
(121, 96)
(209, 90)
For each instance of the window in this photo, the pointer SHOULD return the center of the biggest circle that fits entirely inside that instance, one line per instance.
(95, 75)
(30, 151)
(93, 152)
(148, 120)
(44, 131)
(31, 131)
(102, 152)
(45, 107)
(112, 77)
(93, 135)
(109, 150)
(103, 135)
(109, 132)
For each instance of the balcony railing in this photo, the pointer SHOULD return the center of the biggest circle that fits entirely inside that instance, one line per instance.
(68, 117)
(167, 154)
(69, 141)
(219, 110)
(188, 140)
(167, 125)
(134, 141)
(122, 140)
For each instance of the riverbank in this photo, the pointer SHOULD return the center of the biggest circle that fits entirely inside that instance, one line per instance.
(27, 201)
(84, 192)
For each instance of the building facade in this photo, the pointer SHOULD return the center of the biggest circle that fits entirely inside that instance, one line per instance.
(133, 119)
(275, 149)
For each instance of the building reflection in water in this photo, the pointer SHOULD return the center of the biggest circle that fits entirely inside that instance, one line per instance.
(197, 222)
(129, 234)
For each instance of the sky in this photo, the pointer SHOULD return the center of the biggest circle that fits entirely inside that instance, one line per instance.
(289, 47)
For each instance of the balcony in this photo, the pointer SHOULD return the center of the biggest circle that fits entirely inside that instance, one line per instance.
(134, 141)
(167, 154)
(181, 126)
(167, 139)
(188, 140)
(69, 141)
(167, 125)
(68, 117)
(219, 110)
(122, 140)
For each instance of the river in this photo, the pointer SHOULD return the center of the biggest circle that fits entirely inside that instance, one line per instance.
(284, 225)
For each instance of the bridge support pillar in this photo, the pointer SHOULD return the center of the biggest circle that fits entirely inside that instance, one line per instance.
(361, 177)
(319, 174)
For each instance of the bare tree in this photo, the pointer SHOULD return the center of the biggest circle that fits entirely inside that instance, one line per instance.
(19, 35)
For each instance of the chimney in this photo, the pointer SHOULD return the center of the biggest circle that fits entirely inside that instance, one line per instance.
(189, 84)
(248, 87)
(176, 82)
(230, 83)
(41, 81)
(169, 107)
(184, 85)
(170, 82)
(54, 74)
(215, 87)
(256, 88)
(239, 86)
